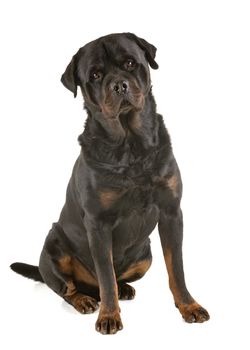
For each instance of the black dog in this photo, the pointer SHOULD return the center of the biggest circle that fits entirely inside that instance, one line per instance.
(125, 181)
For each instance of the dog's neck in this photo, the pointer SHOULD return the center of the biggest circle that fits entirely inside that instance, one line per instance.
(141, 125)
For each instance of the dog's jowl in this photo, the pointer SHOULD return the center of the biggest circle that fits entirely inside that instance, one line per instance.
(124, 182)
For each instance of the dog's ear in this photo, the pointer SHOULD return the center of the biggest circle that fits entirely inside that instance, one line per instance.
(149, 49)
(69, 77)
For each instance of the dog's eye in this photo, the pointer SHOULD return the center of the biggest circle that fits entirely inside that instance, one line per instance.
(96, 76)
(130, 64)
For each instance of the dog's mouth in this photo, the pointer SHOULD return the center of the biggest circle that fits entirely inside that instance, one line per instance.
(125, 105)
(113, 105)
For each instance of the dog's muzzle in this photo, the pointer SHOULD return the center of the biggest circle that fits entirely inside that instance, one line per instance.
(120, 95)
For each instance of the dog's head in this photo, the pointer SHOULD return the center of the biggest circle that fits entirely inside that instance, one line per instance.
(112, 73)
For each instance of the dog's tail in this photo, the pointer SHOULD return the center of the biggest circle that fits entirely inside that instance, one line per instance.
(27, 270)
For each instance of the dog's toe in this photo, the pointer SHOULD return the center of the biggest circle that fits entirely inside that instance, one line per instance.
(126, 292)
(85, 304)
(193, 313)
(109, 324)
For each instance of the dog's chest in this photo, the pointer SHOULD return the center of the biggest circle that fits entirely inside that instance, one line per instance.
(131, 187)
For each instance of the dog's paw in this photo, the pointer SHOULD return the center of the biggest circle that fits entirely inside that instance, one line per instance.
(108, 324)
(126, 292)
(193, 313)
(84, 303)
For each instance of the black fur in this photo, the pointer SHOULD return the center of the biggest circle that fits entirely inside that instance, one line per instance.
(27, 270)
(124, 182)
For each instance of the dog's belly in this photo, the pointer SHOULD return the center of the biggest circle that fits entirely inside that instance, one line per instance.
(131, 236)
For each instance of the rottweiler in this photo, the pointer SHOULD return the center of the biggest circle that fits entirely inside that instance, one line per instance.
(124, 182)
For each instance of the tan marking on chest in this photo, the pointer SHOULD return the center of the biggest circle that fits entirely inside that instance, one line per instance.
(108, 198)
(172, 183)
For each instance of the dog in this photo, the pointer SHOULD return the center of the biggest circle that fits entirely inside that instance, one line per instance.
(124, 182)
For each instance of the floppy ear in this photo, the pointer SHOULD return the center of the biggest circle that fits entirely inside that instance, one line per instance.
(149, 49)
(69, 77)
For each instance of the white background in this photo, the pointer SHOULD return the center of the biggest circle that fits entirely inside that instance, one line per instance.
(202, 88)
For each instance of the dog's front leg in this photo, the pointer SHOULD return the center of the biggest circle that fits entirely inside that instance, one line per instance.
(100, 243)
(171, 234)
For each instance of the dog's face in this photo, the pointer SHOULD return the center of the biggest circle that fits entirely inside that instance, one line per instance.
(112, 73)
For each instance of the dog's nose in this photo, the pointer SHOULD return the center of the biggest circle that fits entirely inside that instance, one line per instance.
(120, 87)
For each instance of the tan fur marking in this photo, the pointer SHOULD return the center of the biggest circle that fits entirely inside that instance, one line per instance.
(108, 198)
(172, 183)
(82, 303)
(65, 264)
(135, 121)
(140, 268)
(193, 312)
(172, 283)
(105, 311)
(71, 289)
(72, 266)
(188, 308)
(82, 274)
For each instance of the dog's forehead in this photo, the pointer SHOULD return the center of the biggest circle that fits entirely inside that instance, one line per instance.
(119, 45)
(112, 47)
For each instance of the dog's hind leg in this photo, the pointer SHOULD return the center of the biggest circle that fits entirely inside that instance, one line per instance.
(133, 273)
(61, 278)
(83, 303)
(67, 276)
